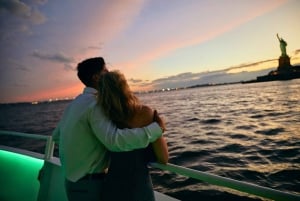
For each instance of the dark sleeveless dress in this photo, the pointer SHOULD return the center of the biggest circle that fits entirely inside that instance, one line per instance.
(128, 178)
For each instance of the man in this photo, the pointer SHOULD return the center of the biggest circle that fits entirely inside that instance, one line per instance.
(85, 135)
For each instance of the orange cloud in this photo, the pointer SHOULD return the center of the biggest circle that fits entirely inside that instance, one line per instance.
(256, 66)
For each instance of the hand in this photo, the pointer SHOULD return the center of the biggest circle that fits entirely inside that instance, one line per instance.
(159, 120)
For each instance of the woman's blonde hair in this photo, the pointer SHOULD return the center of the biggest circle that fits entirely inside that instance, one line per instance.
(118, 101)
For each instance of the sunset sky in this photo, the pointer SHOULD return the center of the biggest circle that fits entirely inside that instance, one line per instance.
(155, 43)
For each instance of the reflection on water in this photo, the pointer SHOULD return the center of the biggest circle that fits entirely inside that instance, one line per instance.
(247, 132)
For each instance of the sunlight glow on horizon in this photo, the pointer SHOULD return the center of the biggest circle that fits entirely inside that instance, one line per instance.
(56, 94)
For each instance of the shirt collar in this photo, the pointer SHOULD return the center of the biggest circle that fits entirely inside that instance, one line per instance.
(90, 90)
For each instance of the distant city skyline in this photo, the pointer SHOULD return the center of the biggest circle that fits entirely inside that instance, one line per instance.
(156, 44)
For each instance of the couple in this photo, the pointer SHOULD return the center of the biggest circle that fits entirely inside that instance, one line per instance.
(106, 127)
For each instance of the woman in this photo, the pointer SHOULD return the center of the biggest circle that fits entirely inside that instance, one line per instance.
(128, 177)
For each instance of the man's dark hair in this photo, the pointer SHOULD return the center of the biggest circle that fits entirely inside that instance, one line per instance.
(89, 67)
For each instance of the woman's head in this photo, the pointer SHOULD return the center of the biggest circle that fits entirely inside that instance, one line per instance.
(116, 97)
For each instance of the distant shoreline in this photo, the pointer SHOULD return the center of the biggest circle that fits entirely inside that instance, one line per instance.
(175, 89)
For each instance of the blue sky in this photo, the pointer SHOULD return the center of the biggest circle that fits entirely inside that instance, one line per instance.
(156, 44)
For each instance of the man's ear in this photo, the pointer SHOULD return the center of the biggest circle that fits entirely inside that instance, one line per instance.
(95, 80)
(96, 77)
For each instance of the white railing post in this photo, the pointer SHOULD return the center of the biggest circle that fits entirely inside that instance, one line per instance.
(49, 149)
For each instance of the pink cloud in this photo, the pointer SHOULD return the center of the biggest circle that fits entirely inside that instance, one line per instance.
(111, 18)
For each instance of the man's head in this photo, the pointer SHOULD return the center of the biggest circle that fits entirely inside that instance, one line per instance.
(89, 71)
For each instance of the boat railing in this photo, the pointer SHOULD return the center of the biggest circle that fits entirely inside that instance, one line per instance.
(49, 148)
(241, 186)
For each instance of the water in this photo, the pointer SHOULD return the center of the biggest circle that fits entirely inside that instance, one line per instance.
(246, 132)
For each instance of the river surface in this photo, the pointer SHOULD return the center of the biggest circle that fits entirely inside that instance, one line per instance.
(248, 132)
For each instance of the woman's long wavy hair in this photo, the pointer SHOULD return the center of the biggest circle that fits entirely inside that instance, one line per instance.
(118, 101)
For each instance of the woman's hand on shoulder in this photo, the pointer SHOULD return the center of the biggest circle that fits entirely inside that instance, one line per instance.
(152, 116)
(159, 120)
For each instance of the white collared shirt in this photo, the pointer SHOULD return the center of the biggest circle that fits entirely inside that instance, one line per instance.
(85, 135)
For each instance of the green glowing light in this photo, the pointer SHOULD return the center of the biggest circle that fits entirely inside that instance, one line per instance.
(18, 175)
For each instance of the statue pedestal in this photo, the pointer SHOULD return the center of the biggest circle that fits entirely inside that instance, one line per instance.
(284, 63)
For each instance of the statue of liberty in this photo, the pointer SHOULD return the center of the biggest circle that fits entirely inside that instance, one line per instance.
(283, 45)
